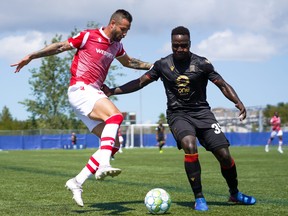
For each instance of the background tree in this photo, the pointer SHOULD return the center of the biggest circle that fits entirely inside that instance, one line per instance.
(162, 118)
(6, 120)
(49, 85)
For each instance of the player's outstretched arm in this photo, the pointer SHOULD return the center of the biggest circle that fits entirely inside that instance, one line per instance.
(230, 93)
(128, 87)
(51, 49)
(134, 63)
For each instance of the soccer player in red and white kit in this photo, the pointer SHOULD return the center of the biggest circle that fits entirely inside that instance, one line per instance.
(275, 122)
(96, 49)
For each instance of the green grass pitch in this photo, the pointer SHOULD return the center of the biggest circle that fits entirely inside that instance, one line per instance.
(32, 182)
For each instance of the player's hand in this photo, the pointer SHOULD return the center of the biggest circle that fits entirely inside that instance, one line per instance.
(241, 107)
(21, 64)
(107, 91)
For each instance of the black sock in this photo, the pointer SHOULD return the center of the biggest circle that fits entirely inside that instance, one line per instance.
(193, 172)
(230, 175)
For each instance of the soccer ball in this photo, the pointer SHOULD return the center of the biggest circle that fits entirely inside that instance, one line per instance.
(157, 201)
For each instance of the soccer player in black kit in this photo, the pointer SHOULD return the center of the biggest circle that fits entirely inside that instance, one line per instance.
(185, 76)
(160, 136)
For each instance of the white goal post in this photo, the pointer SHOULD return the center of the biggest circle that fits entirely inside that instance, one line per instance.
(136, 134)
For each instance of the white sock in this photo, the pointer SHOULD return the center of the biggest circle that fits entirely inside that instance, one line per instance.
(89, 169)
(280, 144)
(107, 141)
(83, 175)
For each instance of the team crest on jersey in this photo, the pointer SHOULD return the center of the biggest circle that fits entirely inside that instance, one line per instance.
(192, 68)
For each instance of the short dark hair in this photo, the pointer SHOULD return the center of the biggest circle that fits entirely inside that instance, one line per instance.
(123, 14)
(180, 30)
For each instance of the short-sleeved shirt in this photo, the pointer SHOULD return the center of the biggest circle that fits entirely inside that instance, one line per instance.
(188, 112)
(185, 85)
(276, 123)
(95, 53)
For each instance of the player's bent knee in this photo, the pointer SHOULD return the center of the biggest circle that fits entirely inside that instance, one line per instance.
(115, 119)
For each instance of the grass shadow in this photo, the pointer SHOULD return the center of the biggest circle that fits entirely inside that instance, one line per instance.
(111, 208)
(120, 208)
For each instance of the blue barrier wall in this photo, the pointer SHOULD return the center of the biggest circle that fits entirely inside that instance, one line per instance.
(91, 141)
(46, 141)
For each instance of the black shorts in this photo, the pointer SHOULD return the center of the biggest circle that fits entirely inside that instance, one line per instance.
(201, 124)
(161, 138)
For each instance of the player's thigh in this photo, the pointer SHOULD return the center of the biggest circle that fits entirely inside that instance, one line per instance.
(180, 128)
(273, 134)
(212, 140)
(280, 133)
(103, 109)
(83, 98)
(94, 126)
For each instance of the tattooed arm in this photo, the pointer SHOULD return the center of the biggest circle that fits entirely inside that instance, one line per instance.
(51, 49)
(134, 63)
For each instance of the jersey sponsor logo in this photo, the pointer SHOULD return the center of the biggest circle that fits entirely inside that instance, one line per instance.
(105, 53)
(183, 85)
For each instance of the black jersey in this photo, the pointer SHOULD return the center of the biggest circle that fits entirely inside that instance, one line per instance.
(160, 132)
(185, 82)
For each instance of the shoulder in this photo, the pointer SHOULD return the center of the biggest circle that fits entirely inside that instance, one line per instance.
(92, 31)
(202, 62)
(167, 58)
(164, 60)
(80, 36)
(200, 59)
(87, 33)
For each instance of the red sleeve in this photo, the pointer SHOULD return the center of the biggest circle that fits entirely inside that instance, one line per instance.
(121, 51)
(79, 40)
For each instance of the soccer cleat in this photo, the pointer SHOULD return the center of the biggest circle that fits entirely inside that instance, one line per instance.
(280, 150)
(240, 198)
(76, 190)
(266, 148)
(200, 204)
(103, 172)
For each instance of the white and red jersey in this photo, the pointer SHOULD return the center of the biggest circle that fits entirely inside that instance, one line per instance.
(94, 56)
(275, 123)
